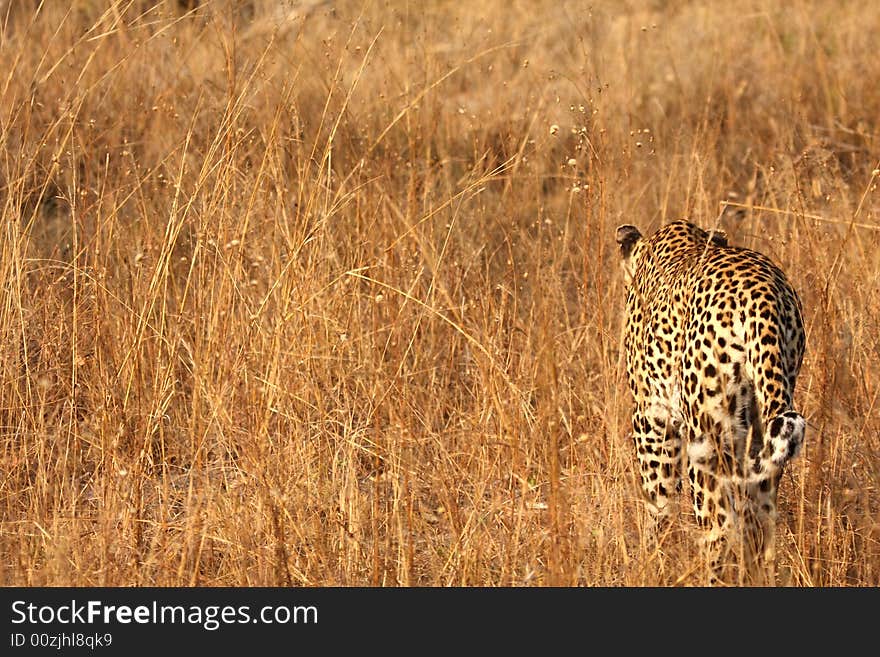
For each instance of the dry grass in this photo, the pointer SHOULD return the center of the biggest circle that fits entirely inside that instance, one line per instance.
(326, 294)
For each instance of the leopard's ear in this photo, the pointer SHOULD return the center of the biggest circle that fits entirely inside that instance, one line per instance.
(627, 236)
(718, 237)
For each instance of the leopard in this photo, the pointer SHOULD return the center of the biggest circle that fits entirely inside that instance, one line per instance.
(714, 340)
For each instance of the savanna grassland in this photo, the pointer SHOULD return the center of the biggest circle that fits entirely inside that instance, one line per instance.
(327, 293)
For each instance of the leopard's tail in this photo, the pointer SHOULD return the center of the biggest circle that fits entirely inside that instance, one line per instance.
(782, 441)
(775, 363)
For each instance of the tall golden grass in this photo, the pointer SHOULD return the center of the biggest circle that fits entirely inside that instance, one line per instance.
(326, 293)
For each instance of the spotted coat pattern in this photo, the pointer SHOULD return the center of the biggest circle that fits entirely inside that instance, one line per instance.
(714, 340)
